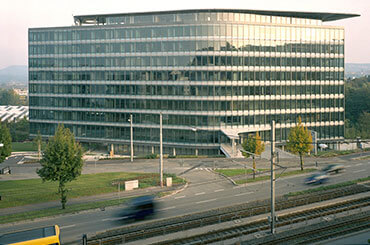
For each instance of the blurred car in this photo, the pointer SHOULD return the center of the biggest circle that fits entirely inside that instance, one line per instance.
(139, 208)
(318, 178)
(333, 168)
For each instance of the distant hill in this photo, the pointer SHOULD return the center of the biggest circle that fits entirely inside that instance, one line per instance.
(357, 69)
(17, 73)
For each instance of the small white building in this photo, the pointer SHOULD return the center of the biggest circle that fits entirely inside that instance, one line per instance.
(13, 113)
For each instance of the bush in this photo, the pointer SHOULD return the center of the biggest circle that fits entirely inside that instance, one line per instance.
(151, 156)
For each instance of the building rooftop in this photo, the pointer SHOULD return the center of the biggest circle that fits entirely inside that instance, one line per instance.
(323, 16)
(13, 113)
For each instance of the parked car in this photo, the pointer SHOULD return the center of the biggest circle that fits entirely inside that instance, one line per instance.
(318, 178)
(139, 208)
(333, 168)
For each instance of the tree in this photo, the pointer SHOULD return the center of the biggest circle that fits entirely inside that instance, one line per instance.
(61, 161)
(6, 140)
(38, 141)
(300, 140)
(20, 130)
(253, 145)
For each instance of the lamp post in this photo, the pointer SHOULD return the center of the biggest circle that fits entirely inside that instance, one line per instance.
(196, 139)
(131, 138)
(160, 150)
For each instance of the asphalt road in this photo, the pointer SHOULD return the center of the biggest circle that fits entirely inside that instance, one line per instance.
(205, 191)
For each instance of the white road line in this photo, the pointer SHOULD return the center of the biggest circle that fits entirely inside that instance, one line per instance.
(236, 187)
(200, 193)
(244, 193)
(358, 164)
(162, 209)
(359, 171)
(219, 190)
(179, 197)
(111, 219)
(67, 226)
(210, 200)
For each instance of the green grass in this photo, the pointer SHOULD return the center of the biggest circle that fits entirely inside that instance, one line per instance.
(58, 211)
(25, 146)
(333, 153)
(237, 171)
(267, 177)
(328, 187)
(22, 192)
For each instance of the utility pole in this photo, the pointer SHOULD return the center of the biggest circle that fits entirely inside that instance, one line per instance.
(131, 139)
(160, 150)
(272, 218)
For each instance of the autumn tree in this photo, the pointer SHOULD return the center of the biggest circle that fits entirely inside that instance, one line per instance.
(61, 161)
(253, 144)
(6, 141)
(300, 140)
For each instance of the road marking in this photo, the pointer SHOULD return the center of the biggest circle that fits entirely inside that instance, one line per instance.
(200, 193)
(236, 187)
(210, 200)
(359, 171)
(162, 209)
(219, 190)
(358, 164)
(67, 226)
(179, 197)
(112, 219)
(244, 193)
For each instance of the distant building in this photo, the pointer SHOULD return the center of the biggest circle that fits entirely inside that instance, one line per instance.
(215, 75)
(13, 113)
(23, 94)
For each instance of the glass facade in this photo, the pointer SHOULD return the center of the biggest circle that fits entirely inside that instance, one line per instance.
(207, 71)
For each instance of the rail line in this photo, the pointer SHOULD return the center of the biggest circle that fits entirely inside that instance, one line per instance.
(262, 225)
(181, 223)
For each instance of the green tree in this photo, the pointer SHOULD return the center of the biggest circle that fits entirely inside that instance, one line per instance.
(38, 142)
(300, 140)
(6, 140)
(253, 145)
(364, 125)
(9, 97)
(61, 161)
(20, 130)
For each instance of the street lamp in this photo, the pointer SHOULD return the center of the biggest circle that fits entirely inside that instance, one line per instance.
(131, 138)
(160, 149)
(196, 139)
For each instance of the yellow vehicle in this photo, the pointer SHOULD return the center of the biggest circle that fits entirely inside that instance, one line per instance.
(45, 235)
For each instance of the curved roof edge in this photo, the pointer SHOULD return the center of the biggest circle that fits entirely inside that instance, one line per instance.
(324, 16)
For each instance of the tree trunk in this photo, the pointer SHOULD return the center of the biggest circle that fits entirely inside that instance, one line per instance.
(63, 194)
(254, 168)
(301, 159)
(39, 150)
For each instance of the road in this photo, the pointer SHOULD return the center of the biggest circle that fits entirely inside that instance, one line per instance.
(205, 191)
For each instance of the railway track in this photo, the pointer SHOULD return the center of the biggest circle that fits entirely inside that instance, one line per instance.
(170, 225)
(289, 219)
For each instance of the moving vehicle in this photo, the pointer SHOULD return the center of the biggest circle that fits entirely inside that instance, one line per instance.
(333, 168)
(42, 235)
(139, 208)
(318, 178)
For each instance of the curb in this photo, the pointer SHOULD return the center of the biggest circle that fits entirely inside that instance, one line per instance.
(226, 177)
(177, 191)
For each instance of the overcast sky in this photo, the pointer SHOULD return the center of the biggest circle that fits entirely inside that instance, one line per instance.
(16, 16)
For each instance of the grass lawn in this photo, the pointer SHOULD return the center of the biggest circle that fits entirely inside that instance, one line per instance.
(25, 146)
(58, 211)
(333, 153)
(237, 171)
(22, 192)
(267, 177)
(328, 187)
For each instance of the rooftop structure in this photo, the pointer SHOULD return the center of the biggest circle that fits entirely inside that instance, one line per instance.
(13, 113)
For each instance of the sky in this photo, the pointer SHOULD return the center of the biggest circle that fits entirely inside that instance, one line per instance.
(16, 16)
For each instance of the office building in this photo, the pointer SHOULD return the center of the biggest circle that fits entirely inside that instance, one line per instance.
(215, 75)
